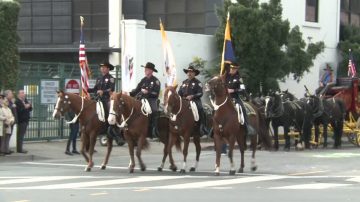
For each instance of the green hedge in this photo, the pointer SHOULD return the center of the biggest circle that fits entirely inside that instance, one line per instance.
(9, 57)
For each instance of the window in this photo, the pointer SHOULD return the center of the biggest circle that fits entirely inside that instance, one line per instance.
(312, 11)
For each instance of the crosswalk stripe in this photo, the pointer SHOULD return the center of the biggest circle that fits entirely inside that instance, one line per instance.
(36, 179)
(220, 182)
(97, 183)
(312, 186)
(354, 179)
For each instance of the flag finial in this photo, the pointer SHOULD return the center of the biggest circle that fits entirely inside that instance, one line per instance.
(81, 20)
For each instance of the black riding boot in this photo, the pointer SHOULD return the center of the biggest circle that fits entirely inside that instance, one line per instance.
(249, 129)
(67, 151)
(202, 120)
(153, 132)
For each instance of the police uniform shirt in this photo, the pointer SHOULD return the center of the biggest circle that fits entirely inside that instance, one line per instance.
(152, 85)
(105, 83)
(191, 87)
(234, 82)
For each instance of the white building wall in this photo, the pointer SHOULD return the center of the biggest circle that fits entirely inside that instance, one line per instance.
(146, 46)
(326, 30)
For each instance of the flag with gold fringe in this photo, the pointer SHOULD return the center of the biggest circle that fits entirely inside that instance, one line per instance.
(169, 60)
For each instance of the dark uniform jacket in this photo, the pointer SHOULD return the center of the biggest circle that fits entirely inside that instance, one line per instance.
(192, 87)
(151, 84)
(105, 83)
(22, 113)
(234, 82)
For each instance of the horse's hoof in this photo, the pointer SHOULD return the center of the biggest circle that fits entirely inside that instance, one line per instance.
(87, 169)
(217, 173)
(173, 168)
(182, 171)
(254, 168)
(103, 167)
(241, 170)
(131, 170)
(192, 169)
(232, 172)
(143, 168)
(286, 149)
(160, 169)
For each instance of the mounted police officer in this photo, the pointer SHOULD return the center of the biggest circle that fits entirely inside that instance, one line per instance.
(191, 89)
(149, 89)
(104, 86)
(236, 88)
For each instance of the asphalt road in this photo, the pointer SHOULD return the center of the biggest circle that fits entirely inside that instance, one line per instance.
(46, 174)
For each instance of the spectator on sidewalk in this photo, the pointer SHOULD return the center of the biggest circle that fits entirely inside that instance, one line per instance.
(74, 131)
(9, 95)
(23, 108)
(8, 121)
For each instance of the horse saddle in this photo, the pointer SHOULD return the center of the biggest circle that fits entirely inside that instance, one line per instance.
(194, 110)
(100, 111)
(249, 109)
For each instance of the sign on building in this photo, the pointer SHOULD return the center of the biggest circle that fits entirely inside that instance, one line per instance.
(48, 91)
(72, 85)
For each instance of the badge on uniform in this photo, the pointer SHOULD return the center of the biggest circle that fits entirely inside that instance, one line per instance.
(193, 84)
(235, 80)
(112, 80)
(106, 80)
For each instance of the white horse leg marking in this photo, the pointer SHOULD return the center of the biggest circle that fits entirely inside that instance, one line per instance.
(196, 164)
(56, 107)
(232, 166)
(217, 169)
(184, 165)
(253, 162)
(266, 105)
(112, 117)
(161, 165)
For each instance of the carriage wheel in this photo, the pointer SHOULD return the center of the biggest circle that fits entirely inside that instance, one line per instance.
(354, 138)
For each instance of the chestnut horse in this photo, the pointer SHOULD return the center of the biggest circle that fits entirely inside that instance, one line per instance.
(91, 126)
(133, 119)
(182, 124)
(226, 126)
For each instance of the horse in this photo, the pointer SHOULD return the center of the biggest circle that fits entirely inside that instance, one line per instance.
(303, 121)
(182, 123)
(133, 115)
(286, 113)
(227, 126)
(328, 111)
(91, 126)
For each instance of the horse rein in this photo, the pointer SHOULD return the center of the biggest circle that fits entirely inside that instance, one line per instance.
(174, 116)
(77, 115)
(216, 107)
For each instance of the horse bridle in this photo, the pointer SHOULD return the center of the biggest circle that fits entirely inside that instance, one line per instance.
(174, 116)
(123, 120)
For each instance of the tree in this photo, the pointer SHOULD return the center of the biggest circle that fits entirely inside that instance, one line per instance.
(265, 47)
(9, 57)
(350, 39)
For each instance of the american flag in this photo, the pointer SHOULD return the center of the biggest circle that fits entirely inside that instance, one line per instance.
(84, 67)
(352, 68)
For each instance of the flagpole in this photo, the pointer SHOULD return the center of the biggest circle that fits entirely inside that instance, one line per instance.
(223, 53)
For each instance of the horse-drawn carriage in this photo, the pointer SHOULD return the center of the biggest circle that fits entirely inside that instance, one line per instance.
(347, 89)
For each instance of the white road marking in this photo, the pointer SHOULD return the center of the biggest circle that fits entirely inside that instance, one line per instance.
(312, 186)
(354, 179)
(36, 179)
(215, 183)
(96, 183)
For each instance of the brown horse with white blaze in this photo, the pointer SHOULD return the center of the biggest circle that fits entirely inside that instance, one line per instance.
(181, 123)
(91, 126)
(227, 127)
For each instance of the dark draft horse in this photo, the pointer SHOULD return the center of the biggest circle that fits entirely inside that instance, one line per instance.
(181, 124)
(128, 113)
(226, 126)
(328, 111)
(90, 124)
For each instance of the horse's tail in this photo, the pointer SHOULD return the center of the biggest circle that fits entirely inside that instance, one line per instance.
(146, 145)
(178, 143)
(264, 134)
(342, 107)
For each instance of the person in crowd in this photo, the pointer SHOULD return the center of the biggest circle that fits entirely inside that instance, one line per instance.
(23, 108)
(74, 131)
(8, 121)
